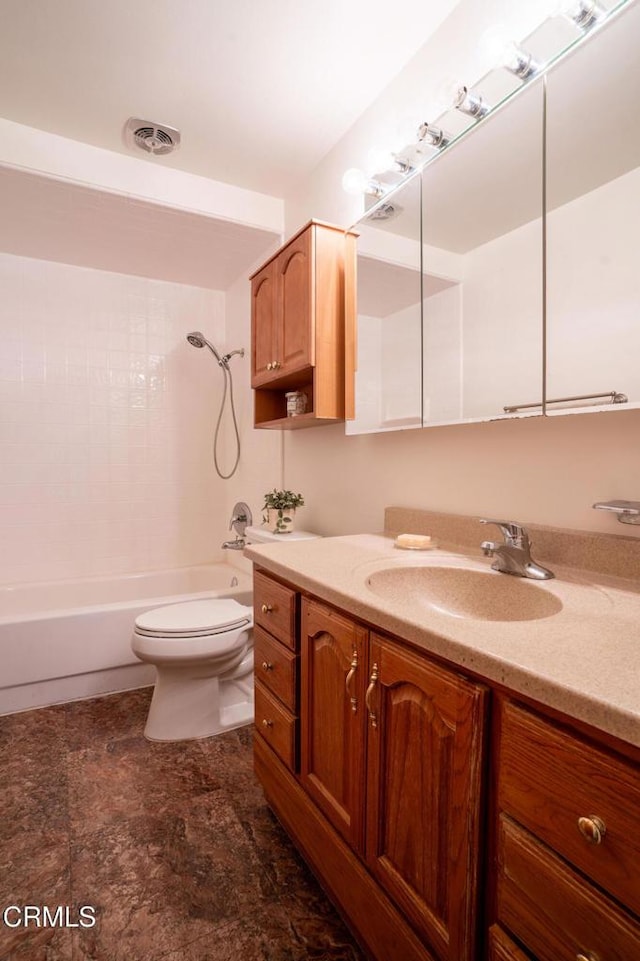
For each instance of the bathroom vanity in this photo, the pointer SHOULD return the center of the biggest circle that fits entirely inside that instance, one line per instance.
(462, 776)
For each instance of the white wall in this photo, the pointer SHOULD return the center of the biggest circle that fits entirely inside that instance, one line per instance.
(548, 471)
(106, 422)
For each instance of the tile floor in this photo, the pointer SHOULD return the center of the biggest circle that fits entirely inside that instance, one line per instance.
(173, 844)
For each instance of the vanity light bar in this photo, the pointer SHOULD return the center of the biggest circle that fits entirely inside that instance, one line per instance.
(585, 14)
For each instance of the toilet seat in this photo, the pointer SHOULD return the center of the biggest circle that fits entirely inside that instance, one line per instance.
(215, 616)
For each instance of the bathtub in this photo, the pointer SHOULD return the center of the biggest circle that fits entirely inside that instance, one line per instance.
(65, 640)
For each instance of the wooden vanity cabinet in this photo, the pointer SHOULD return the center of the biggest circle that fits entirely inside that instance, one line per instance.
(412, 809)
(568, 842)
(301, 325)
(276, 661)
(424, 793)
(334, 678)
(387, 800)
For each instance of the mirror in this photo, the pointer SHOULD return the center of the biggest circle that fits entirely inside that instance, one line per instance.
(482, 233)
(593, 212)
(528, 293)
(388, 385)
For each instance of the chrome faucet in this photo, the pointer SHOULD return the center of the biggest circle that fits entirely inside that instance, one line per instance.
(240, 519)
(514, 555)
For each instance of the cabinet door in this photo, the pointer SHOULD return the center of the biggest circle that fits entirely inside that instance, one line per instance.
(295, 305)
(333, 717)
(263, 323)
(424, 792)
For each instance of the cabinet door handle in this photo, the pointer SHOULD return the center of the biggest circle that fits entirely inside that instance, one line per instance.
(266, 723)
(267, 666)
(592, 828)
(266, 609)
(269, 366)
(276, 365)
(373, 680)
(351, 673)
(589, 956)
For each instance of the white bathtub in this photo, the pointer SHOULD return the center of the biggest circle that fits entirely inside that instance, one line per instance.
(64, 640)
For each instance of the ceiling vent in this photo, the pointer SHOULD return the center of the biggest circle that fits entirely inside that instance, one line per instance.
(154, 138)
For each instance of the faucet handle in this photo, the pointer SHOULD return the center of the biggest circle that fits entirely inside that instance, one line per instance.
(514, 533)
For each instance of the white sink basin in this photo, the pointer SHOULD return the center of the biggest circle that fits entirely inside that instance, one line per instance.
(466, 592)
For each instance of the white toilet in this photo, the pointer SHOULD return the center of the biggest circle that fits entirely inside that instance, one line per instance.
(203, 654)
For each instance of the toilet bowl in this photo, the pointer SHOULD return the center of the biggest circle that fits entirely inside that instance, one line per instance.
(203, 655)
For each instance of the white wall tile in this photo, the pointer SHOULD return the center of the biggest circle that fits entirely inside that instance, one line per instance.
(106, 419)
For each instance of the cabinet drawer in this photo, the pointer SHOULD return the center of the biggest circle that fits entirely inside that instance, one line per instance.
(277, 726)
(276, 667)
(554, 912)
(275, 608)
(549, 780)
(502, 948)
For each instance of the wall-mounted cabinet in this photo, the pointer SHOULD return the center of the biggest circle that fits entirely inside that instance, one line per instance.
(301, 325)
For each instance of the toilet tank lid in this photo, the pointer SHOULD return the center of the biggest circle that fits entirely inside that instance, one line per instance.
(260, 535)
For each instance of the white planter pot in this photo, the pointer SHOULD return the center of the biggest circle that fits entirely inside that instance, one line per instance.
(280, 521)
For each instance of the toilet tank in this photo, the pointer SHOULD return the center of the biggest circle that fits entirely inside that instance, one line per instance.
(260, 535)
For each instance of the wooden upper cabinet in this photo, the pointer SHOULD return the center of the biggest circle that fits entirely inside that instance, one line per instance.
(263, 317)
(332, 722)
(295, 310)
(424, 791)
(302, 328)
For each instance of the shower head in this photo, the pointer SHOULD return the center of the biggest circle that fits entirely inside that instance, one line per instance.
(197, 339)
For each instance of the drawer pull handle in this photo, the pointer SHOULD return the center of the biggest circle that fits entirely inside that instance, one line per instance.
(373, 680)
(266, 609)
(592, 829)
(267, 666)
(350, 676)
(266, 723)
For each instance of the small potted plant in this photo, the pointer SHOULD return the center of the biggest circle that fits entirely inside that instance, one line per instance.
(280, 509)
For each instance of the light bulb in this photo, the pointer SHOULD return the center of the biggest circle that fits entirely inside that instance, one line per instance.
(501, 51)
(354, 181)
(445, 96)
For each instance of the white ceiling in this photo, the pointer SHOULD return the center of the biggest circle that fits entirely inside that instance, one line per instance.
(260, 89)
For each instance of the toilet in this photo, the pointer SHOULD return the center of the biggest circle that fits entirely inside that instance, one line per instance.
(203, 654)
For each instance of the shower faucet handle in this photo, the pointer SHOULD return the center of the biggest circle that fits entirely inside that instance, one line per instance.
(241, 518)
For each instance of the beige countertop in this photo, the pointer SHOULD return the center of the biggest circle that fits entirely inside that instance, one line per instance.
(583, 660)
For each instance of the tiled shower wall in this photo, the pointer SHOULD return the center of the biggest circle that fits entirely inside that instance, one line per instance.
(106, 422)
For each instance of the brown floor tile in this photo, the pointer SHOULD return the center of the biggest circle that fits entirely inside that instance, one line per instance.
(129, 777)
(173, 843)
